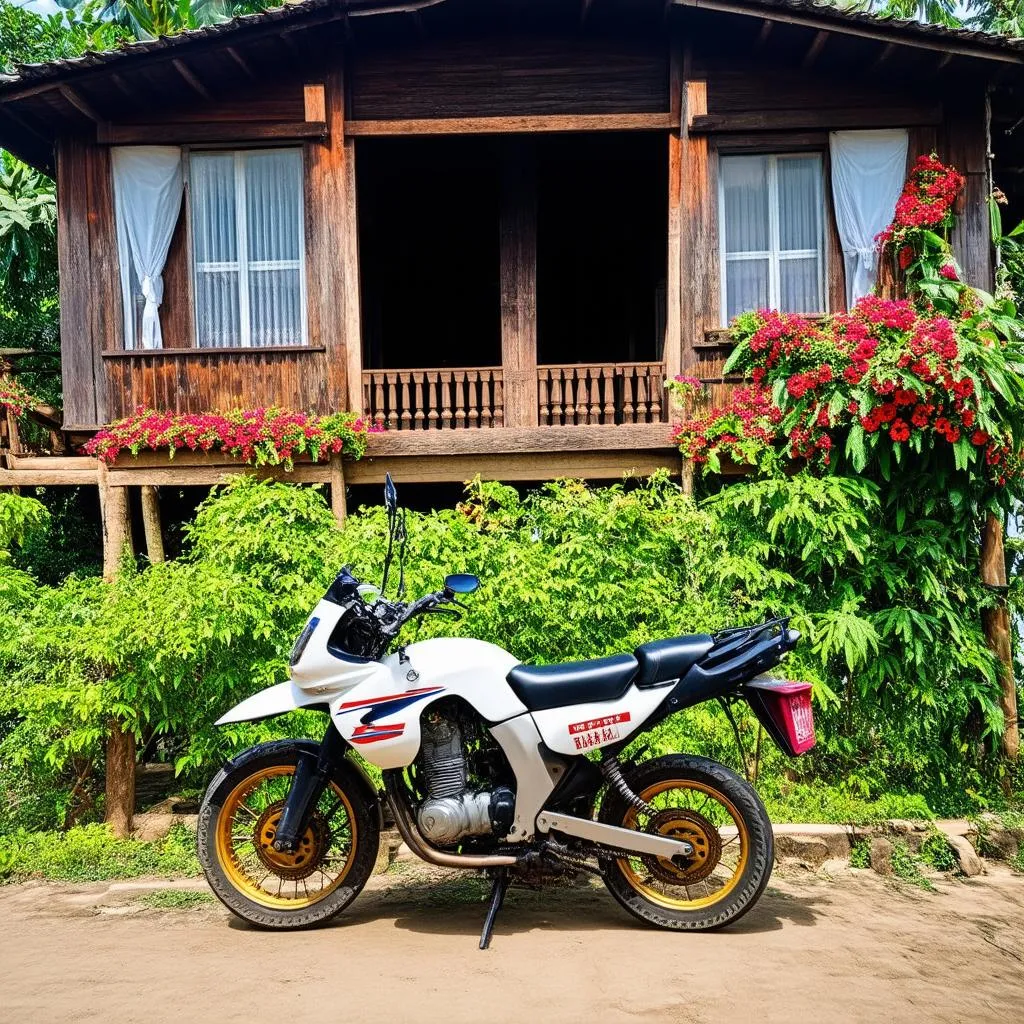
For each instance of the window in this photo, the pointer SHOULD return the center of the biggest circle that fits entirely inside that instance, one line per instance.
(771, 210)
(248, 248)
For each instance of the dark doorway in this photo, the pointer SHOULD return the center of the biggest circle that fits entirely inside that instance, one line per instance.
(601, 247)
(428, 252)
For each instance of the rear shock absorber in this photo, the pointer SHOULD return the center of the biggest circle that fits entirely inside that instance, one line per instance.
(612, 771)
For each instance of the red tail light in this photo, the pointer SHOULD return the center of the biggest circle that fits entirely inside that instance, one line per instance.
(784, 709)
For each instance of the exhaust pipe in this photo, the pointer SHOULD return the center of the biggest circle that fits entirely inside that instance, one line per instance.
(414, 840)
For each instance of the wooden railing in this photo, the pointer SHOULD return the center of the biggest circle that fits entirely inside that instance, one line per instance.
(435, 399)
(589, 393)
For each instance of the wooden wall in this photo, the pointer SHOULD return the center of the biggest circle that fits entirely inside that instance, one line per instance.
(500, 75)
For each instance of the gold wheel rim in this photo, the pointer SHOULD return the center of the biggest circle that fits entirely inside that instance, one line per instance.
(283, 881)
(703, 814)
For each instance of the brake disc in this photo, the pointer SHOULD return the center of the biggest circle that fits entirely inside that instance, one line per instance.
(301, 862)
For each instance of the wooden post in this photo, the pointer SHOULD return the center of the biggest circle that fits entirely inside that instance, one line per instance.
(519, 283)
(117, 527)
(672, 347)
(996, 622)
(151, 523)
(687, 477)
(119, 806)
(338, 506)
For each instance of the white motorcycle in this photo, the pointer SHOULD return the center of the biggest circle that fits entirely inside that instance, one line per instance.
(493, 765)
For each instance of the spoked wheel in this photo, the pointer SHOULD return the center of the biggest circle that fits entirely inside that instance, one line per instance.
(276, 889)
(720, 815)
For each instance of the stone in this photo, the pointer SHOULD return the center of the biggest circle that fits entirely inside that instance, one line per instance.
(806, 851)
(150, 826)
(881, 855)
(968, 859)
(835, 837)
(1002, 843)
(388, 851)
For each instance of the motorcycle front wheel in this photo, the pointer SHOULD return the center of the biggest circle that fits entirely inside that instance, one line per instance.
(720, 814)
(282, 890)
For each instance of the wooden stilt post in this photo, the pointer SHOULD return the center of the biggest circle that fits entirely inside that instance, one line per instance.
(338, 506)
(119, 805)
(117, 528)
(687, 476)
(151, 523)
(996, 622)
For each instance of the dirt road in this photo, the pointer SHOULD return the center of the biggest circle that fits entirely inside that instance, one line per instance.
(852, 949)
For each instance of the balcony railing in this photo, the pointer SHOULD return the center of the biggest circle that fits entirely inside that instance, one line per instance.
(601, 393)
(435, 399)
(576, 394)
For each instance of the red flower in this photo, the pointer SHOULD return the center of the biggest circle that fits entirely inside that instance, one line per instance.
(948, 271)
(979, 437)
(899, 431)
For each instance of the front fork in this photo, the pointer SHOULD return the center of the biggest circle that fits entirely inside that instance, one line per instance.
(312, 774)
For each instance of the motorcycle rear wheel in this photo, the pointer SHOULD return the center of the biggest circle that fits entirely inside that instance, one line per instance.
(272, 889)
(705, 803)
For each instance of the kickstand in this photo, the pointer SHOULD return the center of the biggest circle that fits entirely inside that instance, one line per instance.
(498, 891)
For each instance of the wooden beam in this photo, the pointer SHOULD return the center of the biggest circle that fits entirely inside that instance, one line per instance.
(781, 120)
(864, 30)
(511, 125)
(213, 131)
(544, 466)
(886, 52)
(338, 505)
(80, 104)
(996, 622)
(672, 346)
(191, 79)
(240, 62)
(315, 102)
(814, 50)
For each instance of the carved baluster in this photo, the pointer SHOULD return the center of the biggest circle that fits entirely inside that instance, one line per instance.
(405, 401)
(392, 385)
(432, 390)
(657, 378)
(444, 383)
(459, 382)
(629, 396)
(419, 378)
(543, 397)
(473, 398)
(555, 385)
(608, 381)
(499, 398)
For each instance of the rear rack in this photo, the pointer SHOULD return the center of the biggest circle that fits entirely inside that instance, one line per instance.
(780, 622)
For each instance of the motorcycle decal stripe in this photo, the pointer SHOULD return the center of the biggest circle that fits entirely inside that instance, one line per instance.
(373, 733)
(381, 707)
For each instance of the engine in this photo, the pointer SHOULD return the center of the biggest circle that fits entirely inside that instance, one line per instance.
(451, 809)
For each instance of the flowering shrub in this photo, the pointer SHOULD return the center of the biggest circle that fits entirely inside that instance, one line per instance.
(880, 380)
(14, 397)
(258, 436)
(918, 237)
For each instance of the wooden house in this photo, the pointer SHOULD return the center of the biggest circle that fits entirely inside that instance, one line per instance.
(494, 227)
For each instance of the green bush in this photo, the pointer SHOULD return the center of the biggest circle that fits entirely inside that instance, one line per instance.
(90, 853)
(903, 681)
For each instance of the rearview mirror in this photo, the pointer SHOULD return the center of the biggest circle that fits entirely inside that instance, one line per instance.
(390, 495)
(461, 583)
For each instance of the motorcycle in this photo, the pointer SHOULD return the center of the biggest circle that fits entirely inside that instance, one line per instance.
(489, 764)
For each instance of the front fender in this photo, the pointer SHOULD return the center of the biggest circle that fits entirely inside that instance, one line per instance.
(275, 700)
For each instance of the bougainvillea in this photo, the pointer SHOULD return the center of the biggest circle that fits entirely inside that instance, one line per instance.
(269, 436)
(13, 397)
(917, 240)
(939, 375)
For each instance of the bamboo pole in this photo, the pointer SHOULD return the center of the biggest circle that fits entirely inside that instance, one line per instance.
(996, 623)
(151, 523)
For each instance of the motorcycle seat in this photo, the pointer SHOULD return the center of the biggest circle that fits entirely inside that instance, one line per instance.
(663, 660)
(541, 687)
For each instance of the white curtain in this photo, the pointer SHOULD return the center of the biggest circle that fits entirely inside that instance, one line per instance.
(148, 188)
(772, 217)
(868, 170)
(248, 243)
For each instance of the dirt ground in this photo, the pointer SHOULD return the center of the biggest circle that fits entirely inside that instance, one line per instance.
(849, 949)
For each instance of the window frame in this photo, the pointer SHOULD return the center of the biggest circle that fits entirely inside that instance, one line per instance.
(243, 264)
(774, 253)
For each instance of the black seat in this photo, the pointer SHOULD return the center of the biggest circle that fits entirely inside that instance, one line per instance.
(662, 660)
(541, 687)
